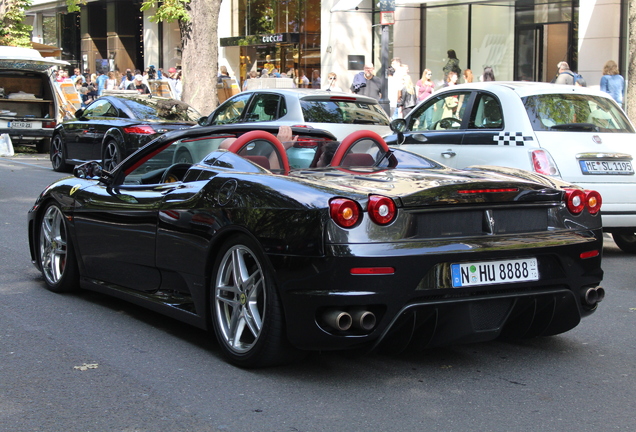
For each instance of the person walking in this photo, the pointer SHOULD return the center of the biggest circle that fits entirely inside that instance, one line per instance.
(612, 82)
(407, 99)
(331, 83)
(425, 86)
(452, 65)
(468, 76)
(566, 76)
(366, 83)
(488, 75)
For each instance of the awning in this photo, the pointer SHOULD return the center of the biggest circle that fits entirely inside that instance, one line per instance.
(47, 50)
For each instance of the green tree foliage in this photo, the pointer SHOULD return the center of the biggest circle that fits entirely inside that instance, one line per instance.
(13, 31)
(168, 10)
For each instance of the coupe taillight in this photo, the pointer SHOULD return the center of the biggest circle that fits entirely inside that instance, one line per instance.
(140, 130)
(381, 209)
(344, 212)
(576, 200)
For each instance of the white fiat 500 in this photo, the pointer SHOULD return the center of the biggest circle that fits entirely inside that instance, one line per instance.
(570, 132)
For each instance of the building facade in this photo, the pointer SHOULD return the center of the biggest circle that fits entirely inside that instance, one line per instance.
(519, 39)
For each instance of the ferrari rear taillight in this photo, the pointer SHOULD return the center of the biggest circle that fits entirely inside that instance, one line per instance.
(543, 164)
(344, 212)
(140, 130)
(593, 201)
(575, 200)
(381, 209)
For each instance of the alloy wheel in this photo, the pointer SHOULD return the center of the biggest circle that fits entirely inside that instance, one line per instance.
(240, 299)
(53, 245)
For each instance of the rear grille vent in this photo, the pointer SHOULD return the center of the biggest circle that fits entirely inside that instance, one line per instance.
(470, 223)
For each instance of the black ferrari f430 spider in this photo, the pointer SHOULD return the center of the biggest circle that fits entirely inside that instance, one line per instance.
(283, 248)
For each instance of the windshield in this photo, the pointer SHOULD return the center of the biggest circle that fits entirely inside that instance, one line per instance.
(161, 109)
(347, 112)
(575, 112)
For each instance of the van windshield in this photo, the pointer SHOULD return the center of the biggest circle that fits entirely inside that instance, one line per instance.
(575, 113)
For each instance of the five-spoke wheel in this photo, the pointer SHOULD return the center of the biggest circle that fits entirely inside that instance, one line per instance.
(246, 310)
(55, 252)
(58, 155)
(111, 156)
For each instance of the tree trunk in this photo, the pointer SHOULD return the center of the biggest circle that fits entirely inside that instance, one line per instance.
(200, 55)
(630, 99)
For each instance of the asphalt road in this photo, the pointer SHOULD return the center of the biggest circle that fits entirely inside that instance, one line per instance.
(146, 373)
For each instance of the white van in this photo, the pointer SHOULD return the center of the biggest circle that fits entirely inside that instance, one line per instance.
(29, 105)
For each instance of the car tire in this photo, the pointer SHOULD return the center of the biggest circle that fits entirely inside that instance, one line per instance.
(55, 252)
(246, 310)
(58, 155)
(626, 240)
(111, 155)
(183, 156)
(43, 145)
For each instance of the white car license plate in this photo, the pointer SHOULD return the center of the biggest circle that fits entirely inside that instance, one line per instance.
(25, 125)
(494, 272)
(607, 167)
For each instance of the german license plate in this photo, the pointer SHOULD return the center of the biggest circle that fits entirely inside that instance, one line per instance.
(494, 272)
(24, 125)
(607, 167)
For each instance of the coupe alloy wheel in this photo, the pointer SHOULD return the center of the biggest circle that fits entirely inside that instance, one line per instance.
(111, 156)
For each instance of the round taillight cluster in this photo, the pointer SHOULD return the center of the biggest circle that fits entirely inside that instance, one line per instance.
(576, 200)
(346, 212)
(381, 209)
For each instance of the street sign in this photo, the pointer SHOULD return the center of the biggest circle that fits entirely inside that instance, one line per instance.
(387, 18)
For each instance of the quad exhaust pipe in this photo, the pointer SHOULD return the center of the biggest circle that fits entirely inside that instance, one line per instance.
(359, 318)
(593, 296)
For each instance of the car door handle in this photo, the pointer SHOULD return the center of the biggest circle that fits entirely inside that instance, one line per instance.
(449, 154)
(419, 137)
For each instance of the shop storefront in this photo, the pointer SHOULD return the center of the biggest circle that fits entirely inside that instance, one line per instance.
(268, 34)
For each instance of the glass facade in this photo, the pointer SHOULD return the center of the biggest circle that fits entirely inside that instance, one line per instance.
(294, 44)
(519, 40)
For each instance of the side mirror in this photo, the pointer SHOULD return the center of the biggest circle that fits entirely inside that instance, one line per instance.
(79, 113)
(92, 171)
(203, 121)
(398, 125)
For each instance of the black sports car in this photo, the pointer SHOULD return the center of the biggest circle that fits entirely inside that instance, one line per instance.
(113, 127)
(381, 247)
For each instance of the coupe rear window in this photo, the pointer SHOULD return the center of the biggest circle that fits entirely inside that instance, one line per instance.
(575, 112)
(348, 112)
(162, 109)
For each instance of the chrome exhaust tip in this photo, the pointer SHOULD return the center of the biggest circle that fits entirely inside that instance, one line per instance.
(363, 319)
(600, 292)
(338, 320)
(590, 297)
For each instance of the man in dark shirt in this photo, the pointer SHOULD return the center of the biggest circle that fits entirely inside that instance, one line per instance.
(366, 83)
(138, 85)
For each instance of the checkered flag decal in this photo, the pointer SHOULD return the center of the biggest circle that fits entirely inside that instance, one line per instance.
(511, 138)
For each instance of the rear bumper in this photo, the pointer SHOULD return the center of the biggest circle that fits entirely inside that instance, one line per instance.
(419, 294)
(27, 134)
